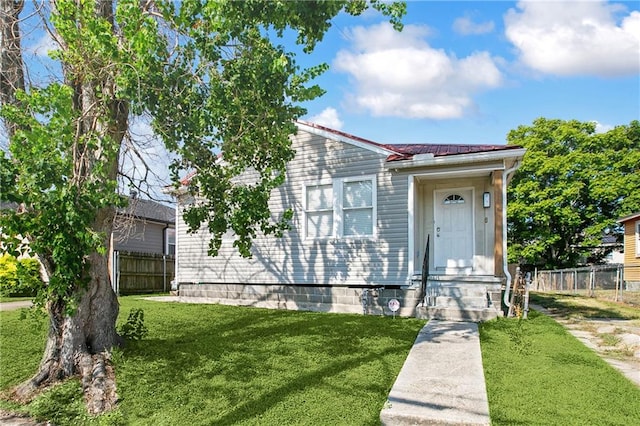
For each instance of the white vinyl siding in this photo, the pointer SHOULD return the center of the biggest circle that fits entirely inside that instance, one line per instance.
(343, 208)
(300, 258)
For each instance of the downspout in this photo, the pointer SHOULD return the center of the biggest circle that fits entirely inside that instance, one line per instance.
(505, 263)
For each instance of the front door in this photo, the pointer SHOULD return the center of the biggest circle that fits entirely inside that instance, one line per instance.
(453, 245)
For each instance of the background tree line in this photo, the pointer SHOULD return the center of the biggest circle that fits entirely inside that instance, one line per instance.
(571, 188)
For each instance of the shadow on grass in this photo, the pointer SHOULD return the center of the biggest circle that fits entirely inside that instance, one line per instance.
(226, 365)
(573, 305)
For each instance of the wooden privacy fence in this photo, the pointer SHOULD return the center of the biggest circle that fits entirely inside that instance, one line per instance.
(137, 273)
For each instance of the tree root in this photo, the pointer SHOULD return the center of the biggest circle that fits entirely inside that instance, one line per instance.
(97, 377)
(98, 382)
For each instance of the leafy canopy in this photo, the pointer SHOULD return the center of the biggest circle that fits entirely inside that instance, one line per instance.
(209, 76)
(222, 85)
(571, 187)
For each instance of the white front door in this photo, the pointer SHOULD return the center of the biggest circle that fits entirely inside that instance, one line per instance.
(453, 229)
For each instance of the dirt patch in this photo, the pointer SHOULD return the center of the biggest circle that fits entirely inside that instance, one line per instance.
(14, 419)
(617, 341)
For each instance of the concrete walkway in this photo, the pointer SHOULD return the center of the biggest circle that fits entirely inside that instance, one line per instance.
(442, 380)
(12, 306)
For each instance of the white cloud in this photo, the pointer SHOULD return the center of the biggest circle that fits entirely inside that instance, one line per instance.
(466, 26)
(399, 74)
(43, 45)
(328, 118)
(603, 128)
(575, 38)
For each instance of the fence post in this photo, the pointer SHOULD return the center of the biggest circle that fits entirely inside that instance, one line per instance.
(164, 273)
(618, 281)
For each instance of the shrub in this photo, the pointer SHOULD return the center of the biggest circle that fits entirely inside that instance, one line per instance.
(19, 277)
(134, 328)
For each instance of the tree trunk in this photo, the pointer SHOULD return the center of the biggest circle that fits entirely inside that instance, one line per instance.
(79, 340)
(11, 72)
(80, 344)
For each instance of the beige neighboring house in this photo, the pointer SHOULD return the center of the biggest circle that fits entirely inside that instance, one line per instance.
(363, 212)
(631, 226)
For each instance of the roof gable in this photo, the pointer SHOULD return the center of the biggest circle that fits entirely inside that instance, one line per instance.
(630, 217)
(399, 152)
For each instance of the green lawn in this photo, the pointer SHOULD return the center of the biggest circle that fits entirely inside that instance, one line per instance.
(219, 365)
(538, 374)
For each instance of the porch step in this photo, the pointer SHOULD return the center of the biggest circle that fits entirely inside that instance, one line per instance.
(457, 313)
(461, 299)
(464, 301)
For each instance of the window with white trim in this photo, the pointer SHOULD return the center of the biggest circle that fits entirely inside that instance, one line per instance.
(170, 241)
(319, 211)
(638, 238)
(346, 207)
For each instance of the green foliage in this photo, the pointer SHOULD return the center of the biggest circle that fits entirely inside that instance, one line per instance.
(134, 329)
(572, 186)
(58, 203)
(19, 277)
(229, 85)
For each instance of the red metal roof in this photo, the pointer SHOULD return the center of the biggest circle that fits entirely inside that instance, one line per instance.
(407, 151)
(402, 151)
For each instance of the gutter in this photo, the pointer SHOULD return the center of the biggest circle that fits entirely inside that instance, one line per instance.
(505, 265)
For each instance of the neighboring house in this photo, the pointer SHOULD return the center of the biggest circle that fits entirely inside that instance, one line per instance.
(631, 225)
(145, 226)
(362, 214)
(143, 246)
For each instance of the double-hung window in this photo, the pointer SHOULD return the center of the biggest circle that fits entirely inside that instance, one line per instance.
(319, 211)
(346, 207)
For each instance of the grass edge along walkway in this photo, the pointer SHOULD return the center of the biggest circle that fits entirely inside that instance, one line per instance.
(536, 372)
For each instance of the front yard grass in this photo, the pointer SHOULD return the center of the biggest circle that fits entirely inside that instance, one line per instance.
(579, 307)
(538, 374)
(220, 365)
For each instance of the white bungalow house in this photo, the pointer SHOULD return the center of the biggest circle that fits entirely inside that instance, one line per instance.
(363, 213)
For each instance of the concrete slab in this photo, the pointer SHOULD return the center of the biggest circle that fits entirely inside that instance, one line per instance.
(12, 306)
(442, 380)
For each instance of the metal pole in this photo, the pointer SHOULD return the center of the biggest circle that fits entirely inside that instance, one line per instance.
(164, 273)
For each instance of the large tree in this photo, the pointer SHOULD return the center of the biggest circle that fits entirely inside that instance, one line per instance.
(571, 187)
(209, 76)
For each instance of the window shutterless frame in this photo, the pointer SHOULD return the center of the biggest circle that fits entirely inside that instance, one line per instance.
(342, 208)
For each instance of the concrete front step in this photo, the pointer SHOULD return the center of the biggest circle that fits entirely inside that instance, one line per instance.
(457, 313)
(462, 302)
(464, 298)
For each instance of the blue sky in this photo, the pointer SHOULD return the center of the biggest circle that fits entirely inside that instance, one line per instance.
(469, 72)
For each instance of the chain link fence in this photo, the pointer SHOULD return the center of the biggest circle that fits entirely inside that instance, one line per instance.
(601, 281)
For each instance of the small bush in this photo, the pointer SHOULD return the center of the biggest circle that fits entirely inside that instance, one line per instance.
(134, 328)
(19, 277)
